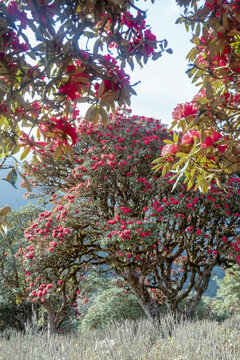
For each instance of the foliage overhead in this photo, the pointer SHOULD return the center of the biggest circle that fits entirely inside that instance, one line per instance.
(56, 55)
(207, 147)
(164, 244)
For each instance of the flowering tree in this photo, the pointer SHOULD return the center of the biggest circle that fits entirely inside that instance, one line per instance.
(15, 311)
(61, 245)
(164, 244)
(208, 147)
(55, 55)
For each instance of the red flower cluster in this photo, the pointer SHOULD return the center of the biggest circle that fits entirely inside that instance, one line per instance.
(184, 110)
(66, 129)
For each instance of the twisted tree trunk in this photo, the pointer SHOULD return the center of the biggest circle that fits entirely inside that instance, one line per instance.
(149, 306)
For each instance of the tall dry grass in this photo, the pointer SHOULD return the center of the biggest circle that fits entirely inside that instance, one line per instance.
(141, 340)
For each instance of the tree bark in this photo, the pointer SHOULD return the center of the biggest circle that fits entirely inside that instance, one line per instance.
(200, 287)
(52, 319)
(148, 304)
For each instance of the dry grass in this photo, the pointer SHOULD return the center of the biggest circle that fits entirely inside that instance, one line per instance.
(200, 340)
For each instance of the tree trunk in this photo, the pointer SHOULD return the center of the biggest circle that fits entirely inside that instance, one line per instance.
(52, 319)
(200, 287)
(149, 306)
(52, 326)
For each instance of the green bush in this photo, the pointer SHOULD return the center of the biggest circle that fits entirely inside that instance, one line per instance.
(111, 305)
(227, 301)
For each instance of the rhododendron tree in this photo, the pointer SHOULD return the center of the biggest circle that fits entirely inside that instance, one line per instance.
(214, 65)
(15, 311)
(61, 245)
(55, 55)
(164, 243)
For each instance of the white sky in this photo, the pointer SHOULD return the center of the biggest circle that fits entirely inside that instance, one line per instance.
(164, 83)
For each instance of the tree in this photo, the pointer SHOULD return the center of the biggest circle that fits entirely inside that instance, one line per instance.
(207, 147)
(164, 243)
(228, 301)
(55, 55)
(15, 311)
(56, 260)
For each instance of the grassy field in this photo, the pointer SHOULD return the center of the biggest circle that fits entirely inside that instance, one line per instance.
(197, 340)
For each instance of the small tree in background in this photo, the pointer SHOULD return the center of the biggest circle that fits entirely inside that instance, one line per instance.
(62, 243)
(15, 311)
(164, 243)
(228, 294)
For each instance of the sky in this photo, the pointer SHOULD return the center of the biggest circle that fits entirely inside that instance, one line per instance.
(163, 85)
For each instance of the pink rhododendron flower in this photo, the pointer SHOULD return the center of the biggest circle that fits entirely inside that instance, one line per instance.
(169, 149)
(207, 143)
(222, 148)
(184, 110)
(210, 140)
(188, 137)
(67, 129)
(216, 136)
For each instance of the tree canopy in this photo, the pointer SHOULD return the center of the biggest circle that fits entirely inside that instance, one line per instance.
(164, 244)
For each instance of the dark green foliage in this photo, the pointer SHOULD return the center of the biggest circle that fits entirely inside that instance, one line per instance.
(227, 301)
(16, 316)
(14, 311)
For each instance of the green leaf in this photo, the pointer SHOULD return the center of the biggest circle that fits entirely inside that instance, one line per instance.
(101, 90)
(58, 151)
(88, 113)
(95, 115)
(26, 182)
(104, 116)
(25, 153)
(12, 177)
(209, 91)
(70, 152)
(130, 62)
(5, 211)
(175, 138)
(180, 154)
(167, 141)
(156, 160)
(156, 55)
